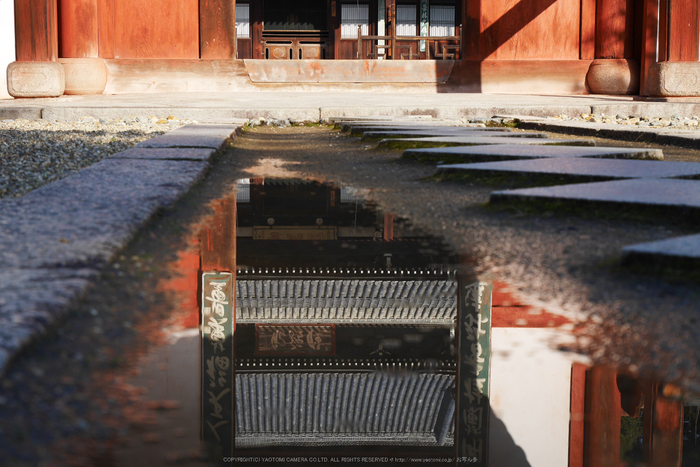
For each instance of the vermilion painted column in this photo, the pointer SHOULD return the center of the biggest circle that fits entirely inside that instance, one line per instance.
(36, 72)
(36, 30)
(678, 70)
(217, 34)
(683, 31)
(79, 47)
(613, 71)
(79, 29)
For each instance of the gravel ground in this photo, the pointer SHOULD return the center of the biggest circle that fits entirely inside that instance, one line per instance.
(34, 153)
(71, 401)
(644, 121)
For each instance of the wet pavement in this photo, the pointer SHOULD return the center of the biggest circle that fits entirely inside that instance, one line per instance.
(364, 294)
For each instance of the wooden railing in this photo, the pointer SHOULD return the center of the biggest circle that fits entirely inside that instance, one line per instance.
(390, 48)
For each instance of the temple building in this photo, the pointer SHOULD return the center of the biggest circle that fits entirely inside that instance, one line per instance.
(616, 47)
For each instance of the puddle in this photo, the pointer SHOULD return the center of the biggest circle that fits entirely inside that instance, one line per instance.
(317, 328)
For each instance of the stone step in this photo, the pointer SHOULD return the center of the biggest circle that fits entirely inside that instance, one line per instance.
(511, 151)
(679, 195)
(684, 249)
(442, 141)
(583, 167)
(373, 135)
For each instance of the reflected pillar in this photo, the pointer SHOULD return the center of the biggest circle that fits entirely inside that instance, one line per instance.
(663, 428)
(603, 414)
(218, 305)
(473, 337)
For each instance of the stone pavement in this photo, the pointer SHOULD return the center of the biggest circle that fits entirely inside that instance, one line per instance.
(221, 107)
(582, 167)
(509, 152)
(506, 138)
(55, 239)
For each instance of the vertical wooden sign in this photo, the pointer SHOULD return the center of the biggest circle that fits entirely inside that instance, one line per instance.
(473, 373)
(424, 22)
(218, 361)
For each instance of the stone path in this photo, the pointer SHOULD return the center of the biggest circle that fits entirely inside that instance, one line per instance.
(584, 167)
(669, 250)
(500, 153)
(508, 152)
(54, 240)
(510, 138)
(661, 192)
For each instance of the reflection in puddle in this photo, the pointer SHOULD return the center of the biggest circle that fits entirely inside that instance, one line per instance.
(332, 331)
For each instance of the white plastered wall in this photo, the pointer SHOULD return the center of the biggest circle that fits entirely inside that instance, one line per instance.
(530, 399)
(7, 42)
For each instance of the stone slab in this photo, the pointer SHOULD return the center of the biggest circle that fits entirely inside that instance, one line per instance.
(667, 136)
(471, 132)
(32, 300)
(585, 167)
(379, 126)
(638, 192)
(82, 220)
(175, 154)
(519, 151)
(680, 247)
(479, 140)
(193, 136)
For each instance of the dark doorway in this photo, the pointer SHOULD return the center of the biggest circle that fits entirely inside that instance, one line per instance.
(300, 15)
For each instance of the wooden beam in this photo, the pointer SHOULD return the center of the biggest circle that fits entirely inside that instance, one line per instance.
(683, 31)
(79, 29)
(217, 32)
(36, 30)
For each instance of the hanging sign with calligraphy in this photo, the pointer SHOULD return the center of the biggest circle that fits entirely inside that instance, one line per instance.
(474, 358)
(424, 22)
(294, 339)
(217, 361)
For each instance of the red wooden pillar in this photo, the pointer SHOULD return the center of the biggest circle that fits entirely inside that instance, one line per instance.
(650, 23)
(613, 71)
(603, 413)
(682, 31)
(36, 30)
(36, 72)
(588, 30)
(79, 29)
(217, 32)
(614, 29)
(105, 14)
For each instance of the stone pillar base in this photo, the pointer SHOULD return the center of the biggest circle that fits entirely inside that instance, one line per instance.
(613, 76)
(674, 79)
(84, 75)
(35, 79)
